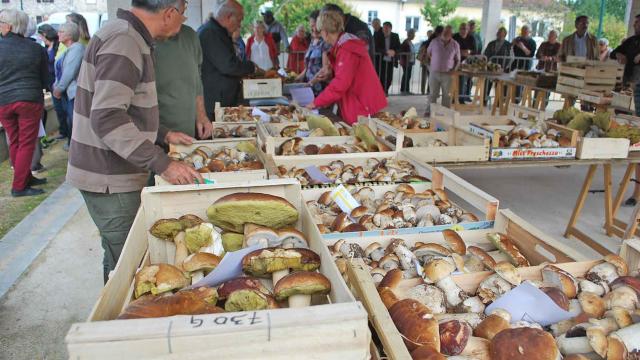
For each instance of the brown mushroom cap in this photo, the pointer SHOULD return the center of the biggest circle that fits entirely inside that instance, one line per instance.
(391, 279)
(354, 228)
(505, 245)
(523, 344)
(618, 262)
(301, 283)
(431, 249)
(454, 335)
(490, 326)
(561, 279)
(486, 259)
(455, 241)
(359, 211)
(263, 262)
(592, 304)
(427, 353)
(616, 350)
(159, 278)
(438, 269)
(416, 323)
(201, 261)
(558, 297)
(240, 283)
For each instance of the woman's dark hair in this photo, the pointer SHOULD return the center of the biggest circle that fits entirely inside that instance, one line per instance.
(314, 14)
(82, 25)
(48, 32)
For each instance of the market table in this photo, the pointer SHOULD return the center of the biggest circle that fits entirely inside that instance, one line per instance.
(532, 96)
(477, 99)
(612, 225)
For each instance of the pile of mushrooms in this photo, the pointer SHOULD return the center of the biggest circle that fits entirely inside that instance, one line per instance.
(233, 131)
(437, 318)
(206, 159)
(278, 113)
(292, 131)
(405, 120)
(402, 208)
(383, 170)
(526, 137)
(296, 146)
(452, 250)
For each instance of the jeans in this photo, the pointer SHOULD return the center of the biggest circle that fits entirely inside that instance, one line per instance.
(465, 89)
(636, 98)
(113, 214)
(68, 106)
(424, 73)
(438, 81)
(21, 120)
(405, 85)
(61, 113)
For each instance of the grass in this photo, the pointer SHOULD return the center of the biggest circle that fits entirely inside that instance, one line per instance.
(13, 210)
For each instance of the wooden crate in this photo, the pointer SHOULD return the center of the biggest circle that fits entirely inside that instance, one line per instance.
(243, 176)
(271, 147)
(220, 116)
(602, 148)
(441, 178)
(621, 101)
(261, 88)
(630, 252)
(228, 126)
(597, 84)
(269, 133)
(335, 329)
(591, 72)
(629, 120)
(537, 79)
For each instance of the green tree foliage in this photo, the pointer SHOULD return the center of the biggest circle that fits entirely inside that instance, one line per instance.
(251, 13)
(292, 13)
(434, 11)
(456, 21)
(591, 8)
(613, 29)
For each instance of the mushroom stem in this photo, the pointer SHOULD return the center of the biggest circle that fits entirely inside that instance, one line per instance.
(196, 276)
(453, 292)
(277, 275)
(574, 345)
(300, 300)
(181, 249)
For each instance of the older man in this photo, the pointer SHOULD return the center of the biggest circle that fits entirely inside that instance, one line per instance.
(443, 56)
(387, 47)
(467, 48)
(580, 43)
(277, 31)
(222, 70)
(116, 121)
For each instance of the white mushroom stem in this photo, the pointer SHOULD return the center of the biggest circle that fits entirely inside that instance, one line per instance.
(630, 336)
(300, 300)
(472, 319)
(181, 249)
(477, 349)
(196, 276)
(453, 292)
(574, 345)
(277, 275)
(608, 324)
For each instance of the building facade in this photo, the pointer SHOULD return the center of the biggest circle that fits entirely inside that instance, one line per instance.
(41, 9)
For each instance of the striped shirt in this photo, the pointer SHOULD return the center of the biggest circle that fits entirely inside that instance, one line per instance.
(115, 119)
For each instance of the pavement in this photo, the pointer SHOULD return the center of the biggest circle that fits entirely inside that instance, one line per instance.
(58, 276)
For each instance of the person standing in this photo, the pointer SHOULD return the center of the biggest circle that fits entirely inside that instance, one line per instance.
(82, 27)
(261, 49)
(628, 54)
(316, 57)
(297, 49)
(524, 48)
(580, 43)
(547, 54)
(407, 60)
(476, 37)
(68, 68)
(443, 55)
(499, 51)
(116, 121)
(376, 25)
(24, 75)
(467, 48)
(222, 70)
(355, 26)
(277, 31)
(422, 56)
(354, 86)
(603, 49)
(240, 46)
(387, 47)
(178, 61)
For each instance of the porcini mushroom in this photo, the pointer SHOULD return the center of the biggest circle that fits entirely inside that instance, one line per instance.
(172, 230)
(277, 262)
(159, 278)
(199, 264)
(299, 286)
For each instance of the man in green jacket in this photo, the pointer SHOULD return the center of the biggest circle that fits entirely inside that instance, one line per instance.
(179, 84)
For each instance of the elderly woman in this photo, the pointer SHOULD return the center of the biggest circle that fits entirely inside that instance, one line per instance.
(355, 86)
(67, 69)
(23, 76)
(297, 48)
(261, 49)
(82, 27)
(603, 49)
(316, 57)
(547, 54)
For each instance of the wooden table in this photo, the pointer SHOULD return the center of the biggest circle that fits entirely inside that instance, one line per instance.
(532, 96)
(612, 225)
(478, 96)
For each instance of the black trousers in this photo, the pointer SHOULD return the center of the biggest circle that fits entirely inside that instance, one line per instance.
(386, 75)
(424, 73)
(405, 85)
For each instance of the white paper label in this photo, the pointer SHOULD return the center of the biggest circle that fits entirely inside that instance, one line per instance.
(264, 117)
(230, 267)
(344, 199)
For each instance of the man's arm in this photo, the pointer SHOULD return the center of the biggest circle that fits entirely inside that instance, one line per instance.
(204, 127)
(283, 37)
(44, 70)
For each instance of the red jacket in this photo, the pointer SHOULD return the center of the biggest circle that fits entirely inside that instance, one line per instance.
(298, 48)
(273, 51)
(355, 85)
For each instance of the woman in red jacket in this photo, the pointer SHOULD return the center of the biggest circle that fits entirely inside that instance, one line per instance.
(297, 49)
(355, 85)
(261, 49)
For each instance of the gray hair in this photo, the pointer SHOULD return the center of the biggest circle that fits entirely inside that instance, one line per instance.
(18, 20)
(260, 23)
(411, 31)
(225, 8)
(71, 29)
(31, 28)
(603, 41)
(155, 6)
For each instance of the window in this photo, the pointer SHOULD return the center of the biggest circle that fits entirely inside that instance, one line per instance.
(412, 22)
(45, 1)
(371, 15)
(5, 1)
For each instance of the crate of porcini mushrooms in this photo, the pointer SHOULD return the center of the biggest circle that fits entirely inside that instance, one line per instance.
(223, 271)
(446, 312)
(235, 130)
(276, 113)
(238, 160)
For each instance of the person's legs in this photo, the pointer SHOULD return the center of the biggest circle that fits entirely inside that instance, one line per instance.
(9, 121)
(467, 90)
(462, 90)
(69, 108)
(445, 84)
(388, 76)
(423, 79)
(434, 90)
(28, 114)
(113, 214)
(409, 72)
(61, 114)
(636, 98)
(37, 156)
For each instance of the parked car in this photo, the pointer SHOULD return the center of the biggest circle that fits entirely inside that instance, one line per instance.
(94, 20)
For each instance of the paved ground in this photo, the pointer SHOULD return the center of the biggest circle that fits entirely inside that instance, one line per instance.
(64, 280)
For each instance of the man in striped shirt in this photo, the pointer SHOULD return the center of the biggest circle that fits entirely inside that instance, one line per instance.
(116, 121)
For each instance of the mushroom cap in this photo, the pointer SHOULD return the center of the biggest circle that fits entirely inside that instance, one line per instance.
(557, 296)
(392, 279)
(263, 262)
(438, 269)
(427, 352)
(406, 188)
(166, 229)
(359, 211)
(387, 296)
(354, 228)
(561, 279)
(622, 316)
(159, 278)
(200, 261)
(416, 323)
(190, 220)
(431, 249)
(486, 259)
(523, 343)
(389, 259)
(592, 304)
(622, 296)
(505, 245)
(454, 335)
(240, 283)
(630, 281)
(455, 241)
(301, 283)
(325, 198)
(429, 295)
(249, 300)
(293, 237)
(616, 350)
(618, 262)
(232, 211)
(490, 326)
(371, 248)
(508, 272)
(441, 194)
(598, 340)
(341, 221)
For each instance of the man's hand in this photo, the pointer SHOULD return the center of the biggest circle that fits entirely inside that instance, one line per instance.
(391, 53)
(181, 174)
(178, 138)
(57, 93)
(622, 59)
(204, 128)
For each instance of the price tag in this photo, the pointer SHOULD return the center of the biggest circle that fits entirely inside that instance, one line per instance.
(317, 176)
(302, 133)
(264, 117)
(229, 320)
(344, 199)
